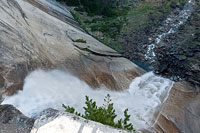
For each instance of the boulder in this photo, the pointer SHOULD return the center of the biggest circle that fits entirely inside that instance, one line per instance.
(11, 117)
(51, 121)
(181, 112)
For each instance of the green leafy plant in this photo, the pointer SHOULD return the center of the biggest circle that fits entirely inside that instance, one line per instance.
(104, 114)
(94, 7)
(80, 40)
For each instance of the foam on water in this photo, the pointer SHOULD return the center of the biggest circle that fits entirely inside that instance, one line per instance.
(50, 89)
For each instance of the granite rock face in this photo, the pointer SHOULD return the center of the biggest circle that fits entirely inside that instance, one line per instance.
(52, 121)
(181, 112)
(35, 35)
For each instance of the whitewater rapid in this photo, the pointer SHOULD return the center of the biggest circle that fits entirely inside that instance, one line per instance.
(169, 26)
(51, 89)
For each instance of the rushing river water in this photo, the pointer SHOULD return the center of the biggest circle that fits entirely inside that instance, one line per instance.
(169, 26)
(50, 89)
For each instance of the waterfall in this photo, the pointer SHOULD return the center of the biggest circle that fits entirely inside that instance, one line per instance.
(169, 26)
(51, 89)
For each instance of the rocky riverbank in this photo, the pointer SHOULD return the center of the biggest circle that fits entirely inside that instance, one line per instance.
(172, 49)
(153, 33)
(179, 58)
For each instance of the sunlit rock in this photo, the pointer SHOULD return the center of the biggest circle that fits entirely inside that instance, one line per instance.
(181, 112)
(36, 34)
(51, 121)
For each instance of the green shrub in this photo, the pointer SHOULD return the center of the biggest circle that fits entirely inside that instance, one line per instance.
(108, 26)
(183, 2)
(70, 2)
(76, 17)
(105, 114)
(80, 40)
(95, 7)
(79, 9)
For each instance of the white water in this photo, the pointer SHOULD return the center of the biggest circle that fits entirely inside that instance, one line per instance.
(50, 89)
(169, 26)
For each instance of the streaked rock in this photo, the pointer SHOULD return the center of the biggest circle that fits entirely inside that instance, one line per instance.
(181, 112)
(51, 121)
(34, 35)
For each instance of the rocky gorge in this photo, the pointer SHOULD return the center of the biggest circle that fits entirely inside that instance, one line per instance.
(41, 34)
(165, 44)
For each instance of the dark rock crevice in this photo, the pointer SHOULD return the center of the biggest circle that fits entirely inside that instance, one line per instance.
(17, 6)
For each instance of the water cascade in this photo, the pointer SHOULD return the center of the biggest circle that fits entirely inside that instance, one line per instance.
(51, 89)
(169, 26)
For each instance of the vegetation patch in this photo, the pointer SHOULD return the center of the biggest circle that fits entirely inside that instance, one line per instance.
(105, 114)
(104, 20)
(112, 21)
(80, 41)
(95, 7)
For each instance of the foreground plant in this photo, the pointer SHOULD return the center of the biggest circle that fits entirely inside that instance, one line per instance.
(104, 114)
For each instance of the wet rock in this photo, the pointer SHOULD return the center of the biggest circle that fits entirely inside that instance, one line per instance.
(173, 5)
(181, 112)
(180, 57)
(10, 115)
(46, 41)
(183, 53)
(164, 67)
(14, 88)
